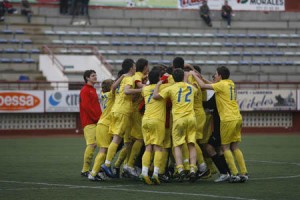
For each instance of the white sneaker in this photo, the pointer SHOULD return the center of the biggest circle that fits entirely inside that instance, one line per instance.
(222, 178)
(103, 176)
(133, 172)
(94, 178)
(244, 178)
(234, 179)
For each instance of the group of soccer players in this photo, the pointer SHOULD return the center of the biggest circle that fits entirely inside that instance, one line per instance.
(159, 119)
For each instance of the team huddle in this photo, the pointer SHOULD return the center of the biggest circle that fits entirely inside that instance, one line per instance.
(162, 123)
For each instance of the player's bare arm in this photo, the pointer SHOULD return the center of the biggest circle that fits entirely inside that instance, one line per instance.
(201, 82)
(156, 89)
(129, 90)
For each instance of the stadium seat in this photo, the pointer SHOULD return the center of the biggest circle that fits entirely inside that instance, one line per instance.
(61, 32)
(3, 41)
(7, 31)
(29, 60)
(73, 33)
(27, 41)
(49, 32)
(21, 51)
(84, 33)
(19, 31)
(14, 41)
(16, 60)
(8, 50)
(5, 60)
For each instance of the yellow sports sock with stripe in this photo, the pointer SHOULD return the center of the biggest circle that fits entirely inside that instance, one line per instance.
(157, 160)
(211, 165)
(193, 168)
(135, 151)
(179, 168)
(111, 152)
(230, 162)
(186, 157)
(200, 158)
(99, 160)
(164, 160)
(87, 158)
(240, 160)
(146, 159)
(121, 157)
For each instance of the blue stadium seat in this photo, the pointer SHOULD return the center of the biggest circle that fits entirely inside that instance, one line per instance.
(124, 52)
(19, 31)
(169, 53)
(8, 50)
(116, 43)
(244, 62)
(131, 34)
(16, 60)
(151, 34)
(84, 33)
(108, 33)
(49, 32)
(96, 33)
(3, 41)
(157, 52)
(27, 41)
(161, 43)
(5, 60)
(120, 34)
(73, 33)
(14, 41)
(138, 43)
(7, 31)
(21, 51)
(61, 32)
(34, 51)
(29, 60)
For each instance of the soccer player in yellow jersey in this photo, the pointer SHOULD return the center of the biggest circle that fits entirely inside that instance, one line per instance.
(200, 121)
(103, 137)
(184, 123)
(142, 70)
(230, 121)
(121, 113)
(153, 127)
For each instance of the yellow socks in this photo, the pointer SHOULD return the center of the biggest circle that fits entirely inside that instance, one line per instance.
(99, 160)
(111, 152)
(87, 159)
(135, 151)
(121, 157)
(240, 161)
(200, 158)
(230, 162)
(164, 160)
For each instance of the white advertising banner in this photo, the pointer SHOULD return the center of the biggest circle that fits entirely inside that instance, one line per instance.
(250, 100)
(253, 5)
(62, 101)
(21, 101)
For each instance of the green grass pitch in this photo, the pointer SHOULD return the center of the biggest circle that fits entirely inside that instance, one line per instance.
(48, 168)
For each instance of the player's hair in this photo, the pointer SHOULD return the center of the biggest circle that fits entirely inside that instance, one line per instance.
(141, 64)
(178, 62)
(178, 75)
(197, 68)
(106, 85)
(87, 74)
(120, 73)
(223, 72)
(154, 76)
(127, 64)
(169, 70)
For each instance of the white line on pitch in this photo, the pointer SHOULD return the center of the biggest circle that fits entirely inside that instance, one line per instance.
(130, 190)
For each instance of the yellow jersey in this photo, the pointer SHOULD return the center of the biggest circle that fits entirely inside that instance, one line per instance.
(182, 96)
(226, 100)
(123, 102)
(154, 109)
(137, 98)
(107, 101)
